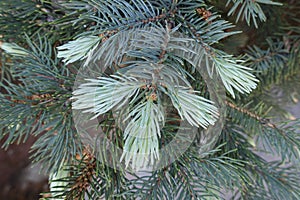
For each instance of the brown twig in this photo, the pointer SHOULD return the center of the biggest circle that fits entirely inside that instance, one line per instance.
(262, 120)
(105, 35)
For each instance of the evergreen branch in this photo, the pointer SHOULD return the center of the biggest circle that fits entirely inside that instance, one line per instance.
(141, 134)
(18, 17)
(279, 139)
(103, 94)
(151, 186)
(86, 178)
(233, 75)
(170, 183)
(231, 72)
(107, 18)
(216, 168)
(113, 10)
(19, 120)
(58, 145)
(205, 28)
(41, 92)
(190, 186)
(72, 52)
(34, 17)
(153, 53)
(265, 176)
(190, 178)
(83, 181)
(274, 63)
(14, 49)
(66, 184)
(203, 117)
(37, 66)
(249, 10)
(274, 181)
(197, 110)
(93, 48)
(114, 15)
(189, 6)
(257, 117)
(158, 46)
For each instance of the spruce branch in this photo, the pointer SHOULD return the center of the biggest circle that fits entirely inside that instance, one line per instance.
(263, 121)
(230, 70)
(207, 30)
(279, 138)
(87, 177)
(71, 53)
(197, 110)
(103, 94)
(19, 17)
(264, 175)
(120, 9)
(274, 180)
(273, 64)
(84, 180)
(41, 90)
(233, 74)
(150, 55)
(142, 133)
(249, 10)
(73, 181)
(191, 178)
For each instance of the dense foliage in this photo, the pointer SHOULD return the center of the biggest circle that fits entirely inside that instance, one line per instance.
(151, 72)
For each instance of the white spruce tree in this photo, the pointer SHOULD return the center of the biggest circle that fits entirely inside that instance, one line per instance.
(151, 99)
